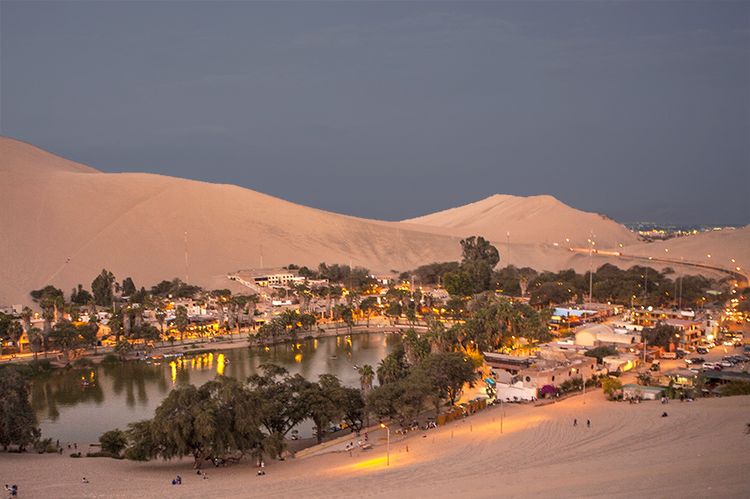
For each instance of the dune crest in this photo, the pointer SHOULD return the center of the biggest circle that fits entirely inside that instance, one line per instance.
(62, 222)
(533, 219)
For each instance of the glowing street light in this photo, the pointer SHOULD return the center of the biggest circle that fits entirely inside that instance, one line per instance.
(388, 444)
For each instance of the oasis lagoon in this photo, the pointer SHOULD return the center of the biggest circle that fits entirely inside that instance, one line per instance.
(78, 405)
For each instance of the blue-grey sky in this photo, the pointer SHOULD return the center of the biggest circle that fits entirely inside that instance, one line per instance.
(639, 110)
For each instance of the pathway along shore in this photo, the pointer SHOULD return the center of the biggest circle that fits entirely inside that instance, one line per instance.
(701, 450)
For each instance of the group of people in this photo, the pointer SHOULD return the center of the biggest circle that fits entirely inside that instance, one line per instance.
(12, 490)
(177, 480)
(588, 423)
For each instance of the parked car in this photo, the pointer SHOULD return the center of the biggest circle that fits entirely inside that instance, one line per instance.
(725, 363)
(695, 360)
(712, 365)
(702, 350)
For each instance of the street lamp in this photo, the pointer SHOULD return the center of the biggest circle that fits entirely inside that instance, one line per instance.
(388, 444)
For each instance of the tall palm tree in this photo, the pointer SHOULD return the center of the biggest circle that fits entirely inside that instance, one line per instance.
(366, 375)
(37, 341)
(26, 315)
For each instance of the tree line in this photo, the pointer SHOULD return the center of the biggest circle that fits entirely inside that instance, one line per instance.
(228, 418)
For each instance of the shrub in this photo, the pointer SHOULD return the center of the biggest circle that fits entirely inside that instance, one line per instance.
(600, 352)
(611, 387)
(104, 454)
(547, 391)
(113, 442)
(736, 388)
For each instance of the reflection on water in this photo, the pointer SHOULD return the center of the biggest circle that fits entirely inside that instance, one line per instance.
(80, 404)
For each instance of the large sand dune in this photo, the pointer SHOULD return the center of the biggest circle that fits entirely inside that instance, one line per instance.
(62, 222)
(700, 450)
(529, 220)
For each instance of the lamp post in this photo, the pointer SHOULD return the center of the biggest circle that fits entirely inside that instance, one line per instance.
(502, 413)
(388, 444)
(583, 378)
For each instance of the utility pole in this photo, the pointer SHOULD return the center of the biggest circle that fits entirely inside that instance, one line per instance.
(679, 305)
(591, 268)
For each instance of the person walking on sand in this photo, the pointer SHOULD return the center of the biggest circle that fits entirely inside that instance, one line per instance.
(575, 422)
(588, 423)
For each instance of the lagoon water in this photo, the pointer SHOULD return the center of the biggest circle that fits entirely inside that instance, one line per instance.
(114, 395)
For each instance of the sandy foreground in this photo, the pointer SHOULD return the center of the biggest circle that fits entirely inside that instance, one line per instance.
(700, 450)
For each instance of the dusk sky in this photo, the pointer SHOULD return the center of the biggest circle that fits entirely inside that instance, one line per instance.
(637, 110)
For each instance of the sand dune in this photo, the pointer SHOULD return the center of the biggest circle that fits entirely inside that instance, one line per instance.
(529, 220)
(724, 246)
(630, 451)
(62, 222)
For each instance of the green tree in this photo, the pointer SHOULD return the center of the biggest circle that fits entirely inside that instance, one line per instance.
(402, 400)
(323, 401)
(123, 348)
(345, 314)
(448, 373)
(393, 367)
(661, 335)
(68, 337)
(283, 405)
(600, 352)
(215, 420)
(102, 288)
(37, 341)
(181, 320)
(113, 441)
(80, 296)
(474, 275)
(458, 283)
(51, 300)
(128, 287)
(416, 347)
(366, 376)
(610, 387)
(367, 306)
(18, 424)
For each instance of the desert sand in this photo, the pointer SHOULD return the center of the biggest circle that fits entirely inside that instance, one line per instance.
(529, 220)
(63, 222)
(700, 450)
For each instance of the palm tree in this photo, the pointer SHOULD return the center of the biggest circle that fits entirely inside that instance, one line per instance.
(36, 341)
(366, 375)
(15, 331)
(26, 315)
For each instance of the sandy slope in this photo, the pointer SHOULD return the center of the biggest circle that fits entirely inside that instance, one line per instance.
(63, 222)
(533, 219)
(723, 246)
(699, 450)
